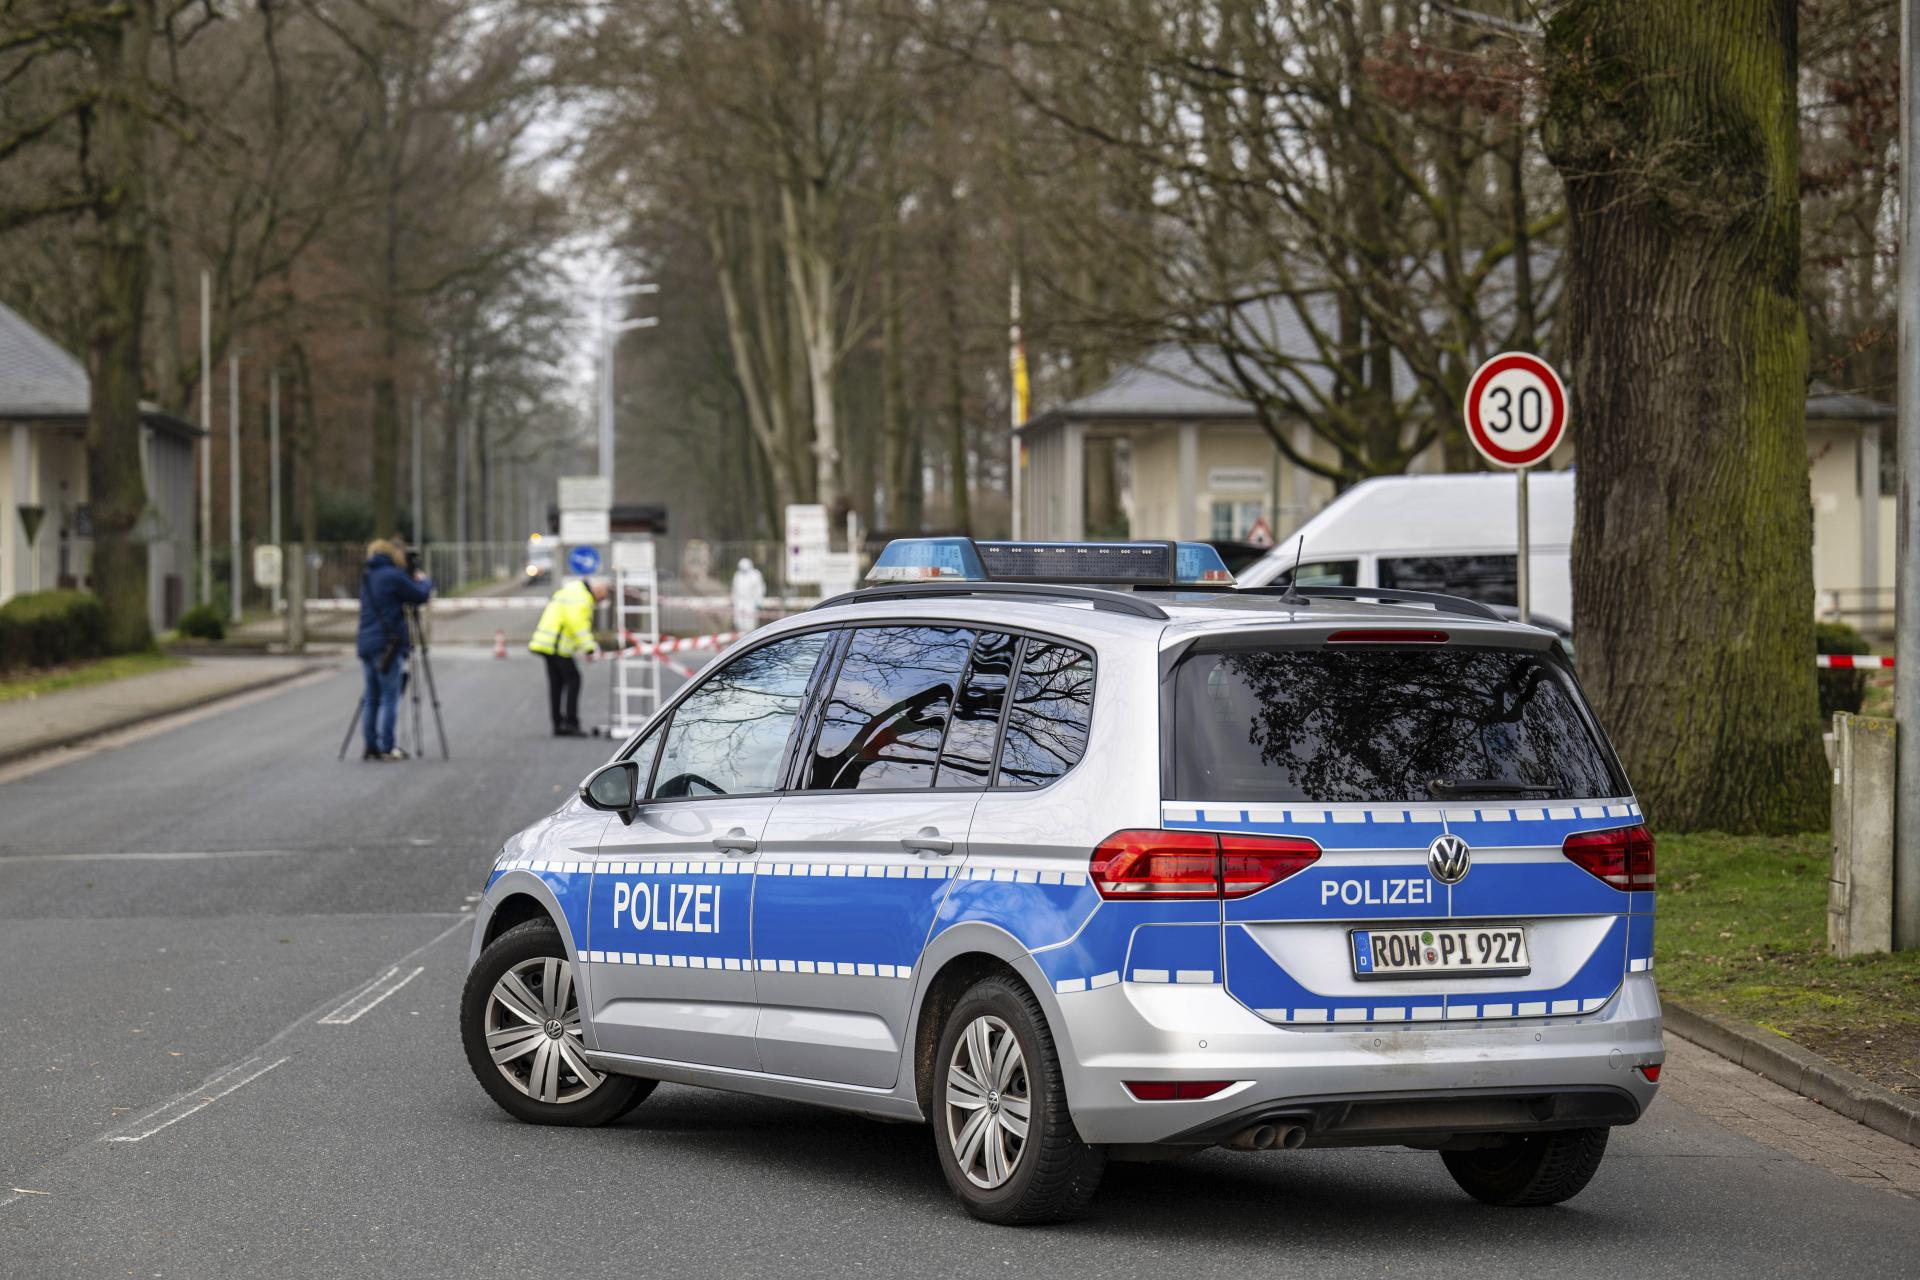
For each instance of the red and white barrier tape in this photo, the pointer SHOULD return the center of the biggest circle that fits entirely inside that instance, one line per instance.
(672, 644)
(461, 604)
(1853, 661)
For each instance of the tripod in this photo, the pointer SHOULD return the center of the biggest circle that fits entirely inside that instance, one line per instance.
(420, 653)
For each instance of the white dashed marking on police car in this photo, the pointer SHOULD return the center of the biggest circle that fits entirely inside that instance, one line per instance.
(817, 968)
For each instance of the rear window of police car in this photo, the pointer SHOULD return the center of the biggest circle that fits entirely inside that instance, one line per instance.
(1381, 723)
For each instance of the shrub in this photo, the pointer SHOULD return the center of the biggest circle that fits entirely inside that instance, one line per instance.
(1840, 690)
(46, 628)
(203, 622)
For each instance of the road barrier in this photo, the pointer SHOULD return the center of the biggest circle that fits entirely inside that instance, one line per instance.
(462, 604)
(673, 644)
(1853, 661)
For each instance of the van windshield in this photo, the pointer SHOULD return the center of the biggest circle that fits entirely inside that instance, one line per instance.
(1382, 724)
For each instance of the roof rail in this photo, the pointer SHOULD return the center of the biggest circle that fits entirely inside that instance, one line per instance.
(1106, 601)
(1391, 595)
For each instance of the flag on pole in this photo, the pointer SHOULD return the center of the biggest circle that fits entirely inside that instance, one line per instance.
(1022, 389)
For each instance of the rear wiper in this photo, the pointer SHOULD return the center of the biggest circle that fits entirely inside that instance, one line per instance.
(1485, 787)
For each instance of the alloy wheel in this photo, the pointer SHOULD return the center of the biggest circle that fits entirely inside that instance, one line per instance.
(988, 1104)
(533, 1032)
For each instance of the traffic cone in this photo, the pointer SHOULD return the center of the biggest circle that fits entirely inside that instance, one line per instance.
(499, 644)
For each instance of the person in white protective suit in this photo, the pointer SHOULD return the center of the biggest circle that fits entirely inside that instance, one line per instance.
(749, 590)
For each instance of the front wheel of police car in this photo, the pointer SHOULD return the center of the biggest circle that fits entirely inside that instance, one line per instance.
(520, 1024)
(1007, 1146)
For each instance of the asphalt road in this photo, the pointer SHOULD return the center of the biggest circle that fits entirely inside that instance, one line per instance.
(197, 915)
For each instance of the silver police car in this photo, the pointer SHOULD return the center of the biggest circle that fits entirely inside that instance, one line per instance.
(1079, 854)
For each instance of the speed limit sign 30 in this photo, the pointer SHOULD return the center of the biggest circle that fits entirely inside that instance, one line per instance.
(1516, 410)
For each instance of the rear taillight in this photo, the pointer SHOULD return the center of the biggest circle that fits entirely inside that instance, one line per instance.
(1249, 864)
(1157, 864)
(1623, 857)
(1175, 1090)
(1164, 865)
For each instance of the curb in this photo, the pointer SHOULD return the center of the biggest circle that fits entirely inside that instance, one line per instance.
(1799, 1069)
(8, 755)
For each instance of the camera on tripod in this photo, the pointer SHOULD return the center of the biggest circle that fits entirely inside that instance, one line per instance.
(414, 656)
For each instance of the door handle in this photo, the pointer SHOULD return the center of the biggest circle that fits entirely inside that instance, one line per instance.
(736, 841)
(927, 842)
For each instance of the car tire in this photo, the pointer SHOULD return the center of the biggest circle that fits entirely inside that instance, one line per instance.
(995, 1059)
(1530, 1170)
(519, 989)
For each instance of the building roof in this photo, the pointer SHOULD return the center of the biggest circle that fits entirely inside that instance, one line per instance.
(1188, 381)
(1173, 382)
(1824, 404)
(41, 382)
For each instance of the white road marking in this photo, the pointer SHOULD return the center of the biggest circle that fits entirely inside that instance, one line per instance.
(369, 996)
(146, 855)
(195, 1100)
(198, 1096)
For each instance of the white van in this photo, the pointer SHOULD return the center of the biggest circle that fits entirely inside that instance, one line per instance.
(1451, 533)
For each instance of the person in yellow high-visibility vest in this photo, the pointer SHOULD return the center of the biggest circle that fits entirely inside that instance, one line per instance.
(566, 628)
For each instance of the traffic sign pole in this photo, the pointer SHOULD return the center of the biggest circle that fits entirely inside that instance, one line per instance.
(1906, 597)
(1516, 413)
(1522, 569)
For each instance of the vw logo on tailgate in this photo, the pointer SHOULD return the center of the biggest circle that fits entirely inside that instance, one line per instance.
(1449, 859)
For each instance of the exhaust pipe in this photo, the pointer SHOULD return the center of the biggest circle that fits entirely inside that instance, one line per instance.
(1259, 1137)
(1267, 1135)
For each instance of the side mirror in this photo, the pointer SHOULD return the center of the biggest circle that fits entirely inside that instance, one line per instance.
(615, 788)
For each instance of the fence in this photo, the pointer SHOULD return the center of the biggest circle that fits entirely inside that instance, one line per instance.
(1868, 608)
(696, 582)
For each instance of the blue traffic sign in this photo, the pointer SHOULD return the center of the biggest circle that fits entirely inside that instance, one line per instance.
(584, 560)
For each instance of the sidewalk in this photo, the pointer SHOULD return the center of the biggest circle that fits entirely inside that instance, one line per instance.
(1701, 1080)
(69, 715)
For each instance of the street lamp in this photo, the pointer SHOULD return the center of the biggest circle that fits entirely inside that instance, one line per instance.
(610, 331)
(233, 474)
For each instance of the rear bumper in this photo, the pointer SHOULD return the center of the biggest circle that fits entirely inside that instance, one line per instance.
(1353, 1085)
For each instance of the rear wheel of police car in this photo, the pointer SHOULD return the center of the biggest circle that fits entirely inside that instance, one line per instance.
(1530, 1170)
(1006, 1144)
(520, 1024)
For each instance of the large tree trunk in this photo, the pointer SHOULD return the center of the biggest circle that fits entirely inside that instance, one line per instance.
(1673, 126)
(116, 491)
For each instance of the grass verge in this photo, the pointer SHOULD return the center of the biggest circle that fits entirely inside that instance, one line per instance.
(32, 684)
(1743, 931)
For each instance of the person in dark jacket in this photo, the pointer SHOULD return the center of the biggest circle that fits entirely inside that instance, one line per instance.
(385, 641)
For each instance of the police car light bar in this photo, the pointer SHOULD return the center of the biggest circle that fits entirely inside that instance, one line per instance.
(1119, 564)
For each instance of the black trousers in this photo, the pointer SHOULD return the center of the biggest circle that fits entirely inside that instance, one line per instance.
(563, 691)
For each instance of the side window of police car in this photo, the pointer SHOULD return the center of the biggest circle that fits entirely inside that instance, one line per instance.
(1052, 710)
(730, 735)
(883, 725)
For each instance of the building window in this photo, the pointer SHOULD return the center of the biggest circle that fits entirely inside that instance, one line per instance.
(1233, 521)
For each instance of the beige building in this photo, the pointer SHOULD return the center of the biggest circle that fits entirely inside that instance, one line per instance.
(46, 534)
(1161, 451)
(1854, 480)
